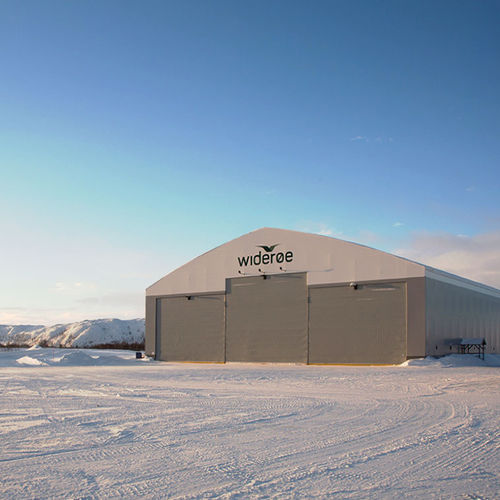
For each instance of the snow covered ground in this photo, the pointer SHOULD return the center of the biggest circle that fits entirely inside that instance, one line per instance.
(103, 424)
(86, 333)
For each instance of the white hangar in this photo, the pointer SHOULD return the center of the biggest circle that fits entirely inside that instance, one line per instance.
(275, 295)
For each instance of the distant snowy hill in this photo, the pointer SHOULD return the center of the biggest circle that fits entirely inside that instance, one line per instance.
(89, 333)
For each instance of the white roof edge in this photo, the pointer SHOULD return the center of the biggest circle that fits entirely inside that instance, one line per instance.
(291, 231)
(204, 253)
(346, 241)
(453, 279)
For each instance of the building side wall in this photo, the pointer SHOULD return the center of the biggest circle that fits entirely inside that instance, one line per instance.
(453, 311)
(415, 340)
(150, 333)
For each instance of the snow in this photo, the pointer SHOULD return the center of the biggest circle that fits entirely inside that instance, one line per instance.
(135, 427)
(454, 360)
(28, 360)
(86, 333)
(38, 356)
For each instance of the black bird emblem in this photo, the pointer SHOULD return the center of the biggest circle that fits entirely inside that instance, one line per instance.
(268, 248)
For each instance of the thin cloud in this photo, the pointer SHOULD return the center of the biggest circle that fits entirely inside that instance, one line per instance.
(374, 140)
(116, 299)
(473, 257)
(36, 316)
(77, 286)
(398, 224)
(318, 228)
(130, 308)
(326, 231)
(363, 236)
(366, 238)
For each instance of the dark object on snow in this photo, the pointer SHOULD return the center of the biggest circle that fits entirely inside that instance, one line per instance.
(469, 345)
(139, 355)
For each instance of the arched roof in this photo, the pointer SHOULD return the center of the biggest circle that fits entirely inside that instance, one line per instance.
(325, 259)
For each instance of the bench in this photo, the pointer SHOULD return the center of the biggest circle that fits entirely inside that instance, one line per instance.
(469, 345)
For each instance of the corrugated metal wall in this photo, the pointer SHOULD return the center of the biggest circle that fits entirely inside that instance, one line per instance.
(191, 328)
(266, 319)
(366, 324)
(415, 317)
(280, 319)
(454, 311)
(150, 333)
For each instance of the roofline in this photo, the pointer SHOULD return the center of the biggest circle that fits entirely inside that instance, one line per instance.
(202, 254)
(454, 279)
(429, 271)
(289, 231)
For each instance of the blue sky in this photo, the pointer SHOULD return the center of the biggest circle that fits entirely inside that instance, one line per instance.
(137, 135)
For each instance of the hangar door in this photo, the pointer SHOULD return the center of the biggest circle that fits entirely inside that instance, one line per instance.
(191, 328)
(266, 318)
(363, 325)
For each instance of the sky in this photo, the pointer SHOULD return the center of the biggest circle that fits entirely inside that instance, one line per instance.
(136, 135)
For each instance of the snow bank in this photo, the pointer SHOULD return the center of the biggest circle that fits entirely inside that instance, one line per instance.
(38, 357)
(80, 358)
(81, 334)
(28, 360)
(456, 360)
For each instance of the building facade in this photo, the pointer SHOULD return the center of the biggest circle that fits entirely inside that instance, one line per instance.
(275, 295)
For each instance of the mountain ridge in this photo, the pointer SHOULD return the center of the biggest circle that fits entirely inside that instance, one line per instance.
(87, 333)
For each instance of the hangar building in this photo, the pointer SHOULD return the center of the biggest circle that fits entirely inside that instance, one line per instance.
(275, 295)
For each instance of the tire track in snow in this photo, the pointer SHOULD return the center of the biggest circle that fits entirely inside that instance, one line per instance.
(194, 435)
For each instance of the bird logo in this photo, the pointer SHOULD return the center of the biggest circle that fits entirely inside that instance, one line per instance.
(268, 248)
